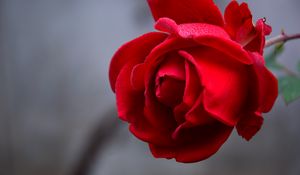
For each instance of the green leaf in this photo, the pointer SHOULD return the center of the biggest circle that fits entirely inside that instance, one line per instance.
(289, 86)
(271, 58)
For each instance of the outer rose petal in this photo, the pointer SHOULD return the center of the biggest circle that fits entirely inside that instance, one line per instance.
(238, 23)
(204, 34)
(187, 11)
(249, 125)
(130, 103)
(137, 77)
(266, 88)
(190, 30)
(132, 53)
(237, 18)
(258, 43)
(147, 133)
(197, 143)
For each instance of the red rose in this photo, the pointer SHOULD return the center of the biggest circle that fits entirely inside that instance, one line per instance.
(185, 88)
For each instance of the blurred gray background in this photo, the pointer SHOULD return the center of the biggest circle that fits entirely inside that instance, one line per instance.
(55, 95)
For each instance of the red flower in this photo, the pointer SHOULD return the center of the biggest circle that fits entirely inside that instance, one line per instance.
(185, 88)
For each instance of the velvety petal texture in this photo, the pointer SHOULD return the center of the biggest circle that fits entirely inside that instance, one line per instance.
(184, 88)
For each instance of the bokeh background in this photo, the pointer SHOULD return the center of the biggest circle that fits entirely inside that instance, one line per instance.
(55, 99)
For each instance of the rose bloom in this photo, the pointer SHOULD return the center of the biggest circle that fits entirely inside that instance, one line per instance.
(184, 88)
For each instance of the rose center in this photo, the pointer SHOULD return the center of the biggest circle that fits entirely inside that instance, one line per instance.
(169, 90)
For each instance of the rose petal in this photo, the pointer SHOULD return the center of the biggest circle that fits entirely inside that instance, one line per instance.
(133, 52)
(258, 43)
(225, 83)
(157, 56)
(159, 115)
(130, 103)
(198, 143)
(147, 133)
(193, 87)
(197, 115)
(238, 23)
(265, 90)
(172, 66)
(234, 50)
(192, 97)
(246, 33)
(179, 112)
(187, 11)
(137, 77)
(235, 18)
(156, 123)
(166, 25)
(191, 108)
(190, 30)
(169, 90)
(249, 125)
(162, 152)
(204, 34)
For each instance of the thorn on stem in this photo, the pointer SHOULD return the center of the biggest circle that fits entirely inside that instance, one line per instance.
(282, 32)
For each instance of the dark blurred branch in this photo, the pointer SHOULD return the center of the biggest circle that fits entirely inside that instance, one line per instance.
(8, 158)
(283, 37)
(106, 130)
